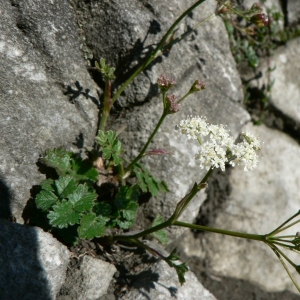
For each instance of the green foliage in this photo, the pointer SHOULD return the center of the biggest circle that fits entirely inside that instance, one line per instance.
(66, 163)
(105, 69)
(146, 182)
(126, 206)
(181, 269)
(70, 200)
(111, 147)
(92, 226)
(160, 235)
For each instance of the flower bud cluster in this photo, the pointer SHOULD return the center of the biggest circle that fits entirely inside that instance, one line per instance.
(165, 83)
(217, 145)
(172, 105)
(260, 20)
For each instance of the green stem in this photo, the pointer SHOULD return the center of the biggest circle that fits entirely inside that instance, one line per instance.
(147, 144)
(234, 10)
(278, 252)
(256, 237)
(107, 104)
(277, 230)
(155, 53)
(143, 233)
(182, 98)
(288, 226)
(178, 211)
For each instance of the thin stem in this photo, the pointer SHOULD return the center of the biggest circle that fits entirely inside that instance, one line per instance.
(234, 10)
(277, 252)
(280, 240)
(154, 54)
(256, 237)
(107, 104)
(182, 98)
(143, 233)
(288, 226)
(287, 221)
(147, 144)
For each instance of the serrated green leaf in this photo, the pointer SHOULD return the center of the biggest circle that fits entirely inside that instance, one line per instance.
(102, 62)
(147, 182)
(59, 159)
(116, 159)
(117, 146)
(45, 200)
(102, 208)
(162, 187)
(81, 199)
(125, 224)
(106, 153)
(111, 136)
(140, 179)
(181, 270)
(83, 170)
(160, 235)
(121, 201)
(173, 255)
(133, 193)
(63, 215)
(92, 226)
(65, 186)
(130, 212)
(152, 185)
(47, 184)
(101, 138)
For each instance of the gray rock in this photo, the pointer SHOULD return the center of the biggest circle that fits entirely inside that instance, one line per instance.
(260, 201)
(293, 11)
(89, 281)
(41, 63)
(161, 282)
(284, 77)
(205, 55)
(33, 263)
(286, 90)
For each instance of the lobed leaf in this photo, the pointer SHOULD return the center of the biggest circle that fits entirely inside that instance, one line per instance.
(83, 170)
(47, 184)
(63, 215)
(65, 186)
(59, 159)
(92, 226)
(45, 200)
(102, 209)
(81, 199)
(160, 235)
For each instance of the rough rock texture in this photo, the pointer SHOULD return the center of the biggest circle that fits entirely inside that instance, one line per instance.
(33, 263)
(259, 202)
(90, 281)
(293, 11)
(205, 56)
(41, 63)
(161, 282)
(286, 90)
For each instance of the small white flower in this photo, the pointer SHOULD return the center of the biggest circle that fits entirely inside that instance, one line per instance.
(193, 127)
(217, 146)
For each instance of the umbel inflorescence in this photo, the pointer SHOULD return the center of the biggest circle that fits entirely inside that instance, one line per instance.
(217, 146)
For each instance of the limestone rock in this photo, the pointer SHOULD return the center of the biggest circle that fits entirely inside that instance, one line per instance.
(33, 263)
(260, 201)
(42, 70)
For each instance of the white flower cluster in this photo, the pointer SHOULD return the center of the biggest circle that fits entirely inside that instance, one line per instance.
(218, 147)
